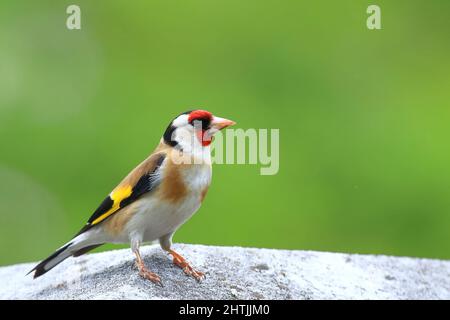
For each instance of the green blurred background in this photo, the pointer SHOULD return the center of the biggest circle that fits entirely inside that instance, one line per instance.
(363, 118)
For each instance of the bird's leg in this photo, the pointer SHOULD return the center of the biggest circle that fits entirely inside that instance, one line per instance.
(181, 262)
(144, 272)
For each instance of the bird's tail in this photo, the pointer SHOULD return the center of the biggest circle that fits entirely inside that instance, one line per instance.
(76, 247)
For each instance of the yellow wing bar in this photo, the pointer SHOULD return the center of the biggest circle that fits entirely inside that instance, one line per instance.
(116, 196)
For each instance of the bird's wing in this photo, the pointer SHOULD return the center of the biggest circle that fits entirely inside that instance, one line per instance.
(144, 178)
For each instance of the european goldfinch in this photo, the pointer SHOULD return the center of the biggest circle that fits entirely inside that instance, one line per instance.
(155, 198)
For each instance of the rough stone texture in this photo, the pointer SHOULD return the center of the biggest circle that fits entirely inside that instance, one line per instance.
(234, 273)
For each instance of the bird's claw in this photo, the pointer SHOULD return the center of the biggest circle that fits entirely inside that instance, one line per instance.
(148, 275)
(189, 270)
(153, 277)
(198, 275)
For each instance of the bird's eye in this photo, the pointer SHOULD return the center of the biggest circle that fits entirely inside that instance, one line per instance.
(201, 118)
(201, 122)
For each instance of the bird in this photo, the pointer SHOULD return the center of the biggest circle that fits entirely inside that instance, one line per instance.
(155, 198)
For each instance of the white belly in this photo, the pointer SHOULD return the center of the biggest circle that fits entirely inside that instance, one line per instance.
(162, 218)
(156, 218)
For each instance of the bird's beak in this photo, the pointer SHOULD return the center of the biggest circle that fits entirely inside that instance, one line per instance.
(216, 125)
(221, 123)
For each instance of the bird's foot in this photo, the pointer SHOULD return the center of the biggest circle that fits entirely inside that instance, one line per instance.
(147, 274)
(180, 262)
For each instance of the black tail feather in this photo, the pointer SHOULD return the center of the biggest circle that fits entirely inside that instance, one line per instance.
(40, 268)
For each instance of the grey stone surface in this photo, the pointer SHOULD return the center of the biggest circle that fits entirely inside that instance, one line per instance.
(234, 273)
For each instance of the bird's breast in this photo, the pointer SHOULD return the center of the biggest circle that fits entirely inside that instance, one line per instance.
(181, 181)
(178, 197)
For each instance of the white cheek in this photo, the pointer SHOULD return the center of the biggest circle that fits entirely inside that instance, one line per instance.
(184, 135)
(185, 138)
(188, 140)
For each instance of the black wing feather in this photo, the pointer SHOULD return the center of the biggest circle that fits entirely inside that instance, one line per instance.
(145, 184)
(104, 207)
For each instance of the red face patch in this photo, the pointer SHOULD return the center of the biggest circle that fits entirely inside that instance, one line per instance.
(200, 115)
(201, 137)
(205, 117)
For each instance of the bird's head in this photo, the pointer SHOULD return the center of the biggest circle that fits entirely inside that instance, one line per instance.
(194, 128)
